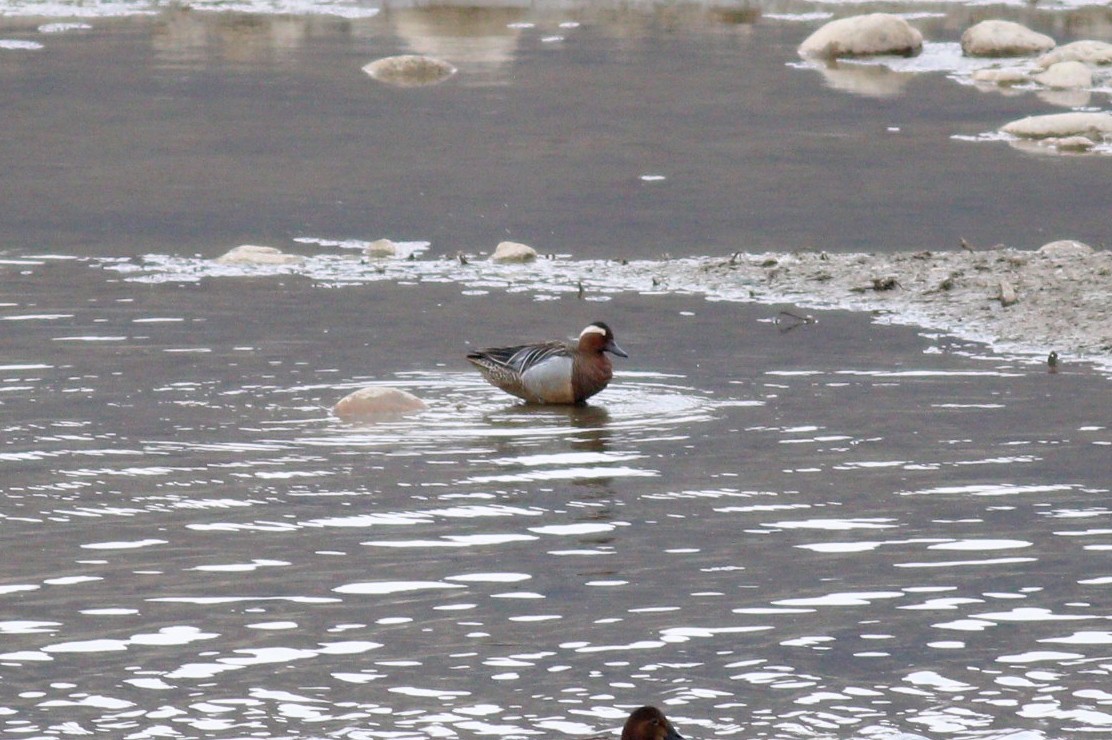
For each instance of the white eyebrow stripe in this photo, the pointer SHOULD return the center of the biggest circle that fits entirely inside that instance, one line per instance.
(592, 329)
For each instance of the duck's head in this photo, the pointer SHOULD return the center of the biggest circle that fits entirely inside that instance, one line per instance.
(649, 723)
(598, 337)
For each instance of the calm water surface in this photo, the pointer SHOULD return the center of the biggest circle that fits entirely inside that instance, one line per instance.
(190, 132)
(832, 530)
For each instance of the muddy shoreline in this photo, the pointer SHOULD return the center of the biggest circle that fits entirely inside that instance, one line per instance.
(1015, 300)
(1056, 299)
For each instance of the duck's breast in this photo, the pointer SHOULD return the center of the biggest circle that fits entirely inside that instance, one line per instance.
(550, 380)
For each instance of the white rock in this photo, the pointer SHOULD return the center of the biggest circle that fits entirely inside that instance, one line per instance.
(251, 254)
(1006, 76)
(1089, 52)
(1003, 39)
(381, 248)
(1065, 248)
(1095, 125)
(375, 402)
(410, 70)
(513, 252)
(863, 35)
(1066, 76)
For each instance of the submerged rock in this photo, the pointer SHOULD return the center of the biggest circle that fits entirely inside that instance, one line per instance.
(381, 248)
(376, 402)
(1089, 52)
(513, 252)
(410, 70)
(1056, 125)
(1066, 75)
(251, 254)
(863, 35)
(1003, 39)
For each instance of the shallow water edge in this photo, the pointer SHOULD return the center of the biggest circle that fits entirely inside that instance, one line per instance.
(1030, 303)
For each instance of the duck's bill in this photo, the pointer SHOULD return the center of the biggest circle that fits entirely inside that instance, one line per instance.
(615, 349)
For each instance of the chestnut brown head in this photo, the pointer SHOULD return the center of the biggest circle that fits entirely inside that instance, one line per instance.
(598, 337)
(649, 723)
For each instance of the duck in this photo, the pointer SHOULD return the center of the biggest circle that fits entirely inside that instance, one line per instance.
(554, 372)
(649, 723)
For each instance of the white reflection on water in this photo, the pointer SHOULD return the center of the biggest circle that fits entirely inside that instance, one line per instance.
(841, 599)
(123, 545)
(993, 489)
(392, 587)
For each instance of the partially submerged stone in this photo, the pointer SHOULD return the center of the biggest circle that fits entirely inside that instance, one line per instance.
(1074, 144)
(1059, 125)
(376, 402)
(410, 70)
(1065, 249)
(381, 248)
(1066, 76)
(513, 252)
(252, 254)
(1089, 52)
(863, 35)
(1003, 39)
(1005, 76)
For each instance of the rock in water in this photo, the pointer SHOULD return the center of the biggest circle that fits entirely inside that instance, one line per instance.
(381, 248)
(1003, 39)
(1090, 52)
(1060, 125)
(1066, 76)
(1001, 76)
(863, 35)
(251, 254)
(377, 403)
(410, 70)
(513, 252)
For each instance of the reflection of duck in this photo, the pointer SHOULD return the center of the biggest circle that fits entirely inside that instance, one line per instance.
(649, 723)
(589, 425)
(554, 371)
(579, 416)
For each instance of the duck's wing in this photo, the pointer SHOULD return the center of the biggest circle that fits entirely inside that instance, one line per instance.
(521, 358)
